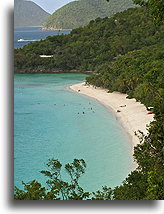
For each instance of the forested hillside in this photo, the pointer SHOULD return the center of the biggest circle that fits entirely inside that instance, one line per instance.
(125, 54)
(134, 74)
(27, 13)
(90, 47)
(80, 13)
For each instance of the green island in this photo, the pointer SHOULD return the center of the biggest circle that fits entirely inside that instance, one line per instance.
(23, 8)
(122, 53)
(79, 13)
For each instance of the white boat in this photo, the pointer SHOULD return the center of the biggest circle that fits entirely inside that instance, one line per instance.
(20, 40)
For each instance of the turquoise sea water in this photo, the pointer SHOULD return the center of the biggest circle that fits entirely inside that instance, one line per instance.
(49, 122)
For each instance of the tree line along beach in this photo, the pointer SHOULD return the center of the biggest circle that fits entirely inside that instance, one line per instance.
(124, 59)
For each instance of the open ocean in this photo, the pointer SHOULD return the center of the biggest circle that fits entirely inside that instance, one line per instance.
(49, 123)
(25, 35)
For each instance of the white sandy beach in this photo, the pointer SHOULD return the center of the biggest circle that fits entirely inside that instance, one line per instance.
(133, 115)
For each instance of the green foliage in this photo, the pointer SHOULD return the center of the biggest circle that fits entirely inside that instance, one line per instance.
(79, 13)
(90, 47)
(32, 191)
(66, 190)
(139, 73)
(133, 188)
(134, 74)
(58, 189)
(146, 182)
(125, 52)
(105, 194)
(155, 8)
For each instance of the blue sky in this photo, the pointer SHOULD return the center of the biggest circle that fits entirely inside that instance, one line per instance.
(51, 5)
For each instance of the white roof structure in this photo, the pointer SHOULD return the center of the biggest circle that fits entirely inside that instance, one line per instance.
(46, 56)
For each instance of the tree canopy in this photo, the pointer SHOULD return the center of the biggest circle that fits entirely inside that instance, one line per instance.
(87, 48)
(79, 13)
(155, 8)
(58, 188)
(125, 53)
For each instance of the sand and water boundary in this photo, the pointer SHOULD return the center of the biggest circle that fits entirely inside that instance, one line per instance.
(132, 114)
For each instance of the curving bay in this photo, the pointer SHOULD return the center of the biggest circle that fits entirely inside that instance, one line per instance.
(51, 121)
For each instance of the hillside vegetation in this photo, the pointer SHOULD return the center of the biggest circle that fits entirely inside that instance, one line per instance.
(27, 13)
(124, 53)
(80, 13)
(88, 48)
(115, 48)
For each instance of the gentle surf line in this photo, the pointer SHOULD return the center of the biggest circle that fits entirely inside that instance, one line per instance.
(132, 114)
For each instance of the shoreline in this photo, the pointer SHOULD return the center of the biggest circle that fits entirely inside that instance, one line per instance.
(44, 71)
(54, 29)
(46, 28)
(29, 26)
(132, 115)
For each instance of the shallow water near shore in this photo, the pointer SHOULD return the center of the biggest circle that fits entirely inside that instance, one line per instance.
(51, 121)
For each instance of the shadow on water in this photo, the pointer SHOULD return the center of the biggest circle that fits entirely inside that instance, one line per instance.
(10, 155)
